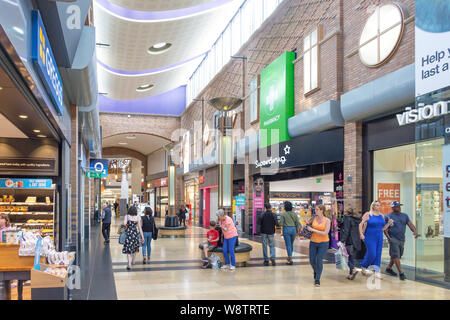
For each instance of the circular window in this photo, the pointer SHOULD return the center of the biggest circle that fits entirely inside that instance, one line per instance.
(144, 88)
(381, 35)
(159, 48)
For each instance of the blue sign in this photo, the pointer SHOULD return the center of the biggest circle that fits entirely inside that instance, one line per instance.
(44, 60)
(99, 166)
(26, 183)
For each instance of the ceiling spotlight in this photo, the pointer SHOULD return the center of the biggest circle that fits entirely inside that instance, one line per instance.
(123, 143)
(36, 131)
(144, 87)
(41, 136)
(159, 48)
(22, 116)
(1, 88)
(129, 116)
(131, 137)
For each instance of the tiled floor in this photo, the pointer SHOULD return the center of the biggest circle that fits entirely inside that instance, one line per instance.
(175, 273)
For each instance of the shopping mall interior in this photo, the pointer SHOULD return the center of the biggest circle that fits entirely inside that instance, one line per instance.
(152, 150)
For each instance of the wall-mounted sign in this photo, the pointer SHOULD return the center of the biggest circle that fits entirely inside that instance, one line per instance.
(27, 164)
(276, 100)
(26, 183)
(423, 112)
(201, 179)
(432, 38)
(99, 168)
(386, 193)
(45, 63)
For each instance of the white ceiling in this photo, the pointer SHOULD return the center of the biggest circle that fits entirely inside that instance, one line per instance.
(143, 143)
(129, 41)
(9, 130)
(158, 5)
(304, 185)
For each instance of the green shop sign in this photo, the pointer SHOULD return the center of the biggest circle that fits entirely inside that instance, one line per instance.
(97, 175)
(277, 100)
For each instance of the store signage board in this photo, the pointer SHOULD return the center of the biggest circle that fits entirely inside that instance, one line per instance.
(26, 183)
(386, 193)
(45, 62)
(27, 164)
(432, 45)
(96, 175)
(276, 100)
(99, 167)
(423, 112)
(258, 201)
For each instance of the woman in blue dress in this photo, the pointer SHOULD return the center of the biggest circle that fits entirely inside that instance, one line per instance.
(371, 231)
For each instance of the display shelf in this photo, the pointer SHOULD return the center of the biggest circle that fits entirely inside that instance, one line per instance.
(26, 203)
(13, 213)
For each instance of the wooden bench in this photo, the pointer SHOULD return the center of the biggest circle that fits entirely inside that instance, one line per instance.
(171, 231)
(241, 253)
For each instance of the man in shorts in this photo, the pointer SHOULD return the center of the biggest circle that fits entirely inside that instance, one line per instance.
(396, 237)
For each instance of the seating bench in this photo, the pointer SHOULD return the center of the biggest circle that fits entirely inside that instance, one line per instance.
(171, 231)
(241, 252)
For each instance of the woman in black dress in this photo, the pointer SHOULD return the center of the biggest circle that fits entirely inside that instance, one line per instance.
(134, 234)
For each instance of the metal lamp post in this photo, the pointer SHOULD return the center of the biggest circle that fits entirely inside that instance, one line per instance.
(225, 150)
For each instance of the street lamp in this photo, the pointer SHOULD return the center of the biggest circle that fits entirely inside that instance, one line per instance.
(225, 149)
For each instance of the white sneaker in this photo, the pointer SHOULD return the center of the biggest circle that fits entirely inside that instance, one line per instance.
(232, 268)
(225, 266)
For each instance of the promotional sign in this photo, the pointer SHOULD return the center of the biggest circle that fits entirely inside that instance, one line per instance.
(276, 100)
(26, 183)
(386, 193)
(432, 45)
(45, 63)
(446, 189)
(238, 206)
(98, 168)
(258, 201)
(27, 164)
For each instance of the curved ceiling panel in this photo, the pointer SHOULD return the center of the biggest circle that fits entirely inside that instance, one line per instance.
(129, 41)
(158, 5)
(123, 87)
(142, 143)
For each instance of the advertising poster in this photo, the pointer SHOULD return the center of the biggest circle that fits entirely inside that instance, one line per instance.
(258, 202)
(386, 193)
(432, 45)
(238, 206)
(446, 189)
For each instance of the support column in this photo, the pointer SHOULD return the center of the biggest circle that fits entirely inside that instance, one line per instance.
(136, 177)
(74, 173)
(248, 219)
(124, 194)
(353, 166)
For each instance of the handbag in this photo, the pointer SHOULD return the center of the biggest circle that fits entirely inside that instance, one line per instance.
(305, 233)
(122, 237)
(155, 231)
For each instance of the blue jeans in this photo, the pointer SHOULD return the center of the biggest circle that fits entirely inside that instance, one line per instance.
(228, 248)
(146, 246)
(316, 253)
(289, 234)
(270, 238)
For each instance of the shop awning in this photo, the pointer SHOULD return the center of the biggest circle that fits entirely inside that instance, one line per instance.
(323, 117)
(380, 97)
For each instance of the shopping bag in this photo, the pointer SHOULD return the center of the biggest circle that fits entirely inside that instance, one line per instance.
(340, 259)
(215, 261)
(122, 237)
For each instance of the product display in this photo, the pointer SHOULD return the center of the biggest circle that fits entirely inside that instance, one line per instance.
(58, 272)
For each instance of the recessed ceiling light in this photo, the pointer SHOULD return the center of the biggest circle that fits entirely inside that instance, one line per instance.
(36, 131)
(123, 143)
(41, 136)
(159, 48)
(22, 116)
(1, 88)
(131, 137)
(18, 30)
(144, 87)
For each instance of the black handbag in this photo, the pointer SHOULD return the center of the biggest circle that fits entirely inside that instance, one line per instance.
(155, 231)
(305, 233)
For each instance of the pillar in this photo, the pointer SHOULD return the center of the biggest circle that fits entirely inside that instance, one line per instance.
(124, 194)
(136, 177)
(74, 173)
(248, 197)
(353, 183)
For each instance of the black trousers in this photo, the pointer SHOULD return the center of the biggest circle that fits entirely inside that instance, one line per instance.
(106, 228)
(183, 219)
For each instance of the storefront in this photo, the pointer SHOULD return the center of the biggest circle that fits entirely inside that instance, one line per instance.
(192, 196)
(161, 197)
(208, 186)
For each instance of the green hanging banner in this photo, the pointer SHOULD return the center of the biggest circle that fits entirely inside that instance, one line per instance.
(277, 100)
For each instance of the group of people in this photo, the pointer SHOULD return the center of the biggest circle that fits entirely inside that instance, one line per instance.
(357, 233)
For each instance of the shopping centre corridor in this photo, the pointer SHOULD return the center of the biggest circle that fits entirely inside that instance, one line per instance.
(175, 273)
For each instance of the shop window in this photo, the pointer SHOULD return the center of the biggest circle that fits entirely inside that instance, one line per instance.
(381, 35)
(311, 60)
(254, 99)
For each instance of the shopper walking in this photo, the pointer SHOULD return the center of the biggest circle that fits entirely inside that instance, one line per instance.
(106, 222)
(148, 227)
(374, 224)
(230, 237)
(133, 235)
(182, 215)
(350, 238)
(290, 226)
(396, 237)
(267, 224)
(318, 245)
(116, 206)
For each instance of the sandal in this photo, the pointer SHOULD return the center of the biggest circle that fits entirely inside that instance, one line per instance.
(353, 275)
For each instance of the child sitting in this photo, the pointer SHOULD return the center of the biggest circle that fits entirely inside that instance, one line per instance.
(212, 237)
